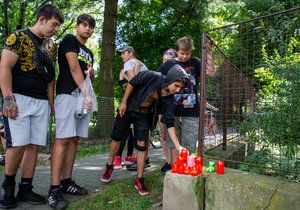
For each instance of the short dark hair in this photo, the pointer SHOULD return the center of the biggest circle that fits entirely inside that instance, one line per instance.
(184, 80)
(49, 11)
(88, 18)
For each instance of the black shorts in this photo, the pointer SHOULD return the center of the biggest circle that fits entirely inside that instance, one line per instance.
(141, 125)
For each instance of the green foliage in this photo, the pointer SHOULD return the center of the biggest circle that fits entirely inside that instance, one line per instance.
(277, 121)
(257, 162)
(92, 150)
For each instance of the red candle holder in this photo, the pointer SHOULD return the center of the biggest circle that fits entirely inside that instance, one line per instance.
(174, 168)
(199, 169)
(184, 154)
(194, 171)
(220, 167)
(181, 169)
(180, 161)
(198, 161)
(186, 171)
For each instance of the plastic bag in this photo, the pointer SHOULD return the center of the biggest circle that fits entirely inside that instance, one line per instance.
(86, 98)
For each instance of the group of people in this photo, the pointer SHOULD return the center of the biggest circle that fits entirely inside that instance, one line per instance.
(27, 79)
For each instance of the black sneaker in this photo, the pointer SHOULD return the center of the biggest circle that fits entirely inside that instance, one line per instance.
(166, 167)
(56, 200)
(26, 194)
(133, 166)
(7, 197)
(73, 189)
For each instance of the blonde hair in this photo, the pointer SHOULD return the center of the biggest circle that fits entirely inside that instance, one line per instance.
(185, 43)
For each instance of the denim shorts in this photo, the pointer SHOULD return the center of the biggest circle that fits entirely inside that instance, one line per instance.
(141, 126)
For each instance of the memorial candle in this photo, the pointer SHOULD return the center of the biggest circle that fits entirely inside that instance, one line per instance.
(190, 161)
(220, 167)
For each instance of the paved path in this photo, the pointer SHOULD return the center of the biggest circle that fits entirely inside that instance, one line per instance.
(87, 172)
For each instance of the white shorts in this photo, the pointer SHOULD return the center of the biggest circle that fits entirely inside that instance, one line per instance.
(67, 125)
(31, 123)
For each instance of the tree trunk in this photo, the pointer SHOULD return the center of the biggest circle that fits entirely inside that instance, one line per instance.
(23, 5)
(105, 117)
(5, 21)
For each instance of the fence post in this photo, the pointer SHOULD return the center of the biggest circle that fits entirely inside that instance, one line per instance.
(202, 96)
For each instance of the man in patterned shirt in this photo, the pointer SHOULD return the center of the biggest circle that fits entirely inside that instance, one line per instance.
(28, 93)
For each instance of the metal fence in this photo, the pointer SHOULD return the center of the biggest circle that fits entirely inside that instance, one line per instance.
(231, 91)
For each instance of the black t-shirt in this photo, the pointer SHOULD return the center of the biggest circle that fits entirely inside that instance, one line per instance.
(65, 82)
(26, 79)
(187, 103)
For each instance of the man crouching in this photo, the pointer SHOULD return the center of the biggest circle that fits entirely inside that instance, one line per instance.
(147, 95)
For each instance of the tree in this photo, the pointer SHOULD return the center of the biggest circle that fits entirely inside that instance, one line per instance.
(106, 80)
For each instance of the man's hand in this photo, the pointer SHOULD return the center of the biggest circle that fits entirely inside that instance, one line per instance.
(122, 109)
(10, 108)
(91, 71)
(179, 148)
(88, 102)
(52, 110)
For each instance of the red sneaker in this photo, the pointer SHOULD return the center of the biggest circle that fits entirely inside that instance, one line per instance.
(140, 185)
(118, 162)
(130, 159)
(106, 176)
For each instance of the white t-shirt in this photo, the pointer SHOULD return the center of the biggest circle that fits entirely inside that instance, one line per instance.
(130, 65)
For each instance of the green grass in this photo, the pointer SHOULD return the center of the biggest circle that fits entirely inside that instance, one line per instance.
(123, 195)
(92, 150)
(2, 168)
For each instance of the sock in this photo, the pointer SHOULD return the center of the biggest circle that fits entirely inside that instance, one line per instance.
(65, 181)
(54, 187)
(26, 181)
(9, 179)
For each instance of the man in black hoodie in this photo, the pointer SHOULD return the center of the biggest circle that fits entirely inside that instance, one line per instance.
(146, 94)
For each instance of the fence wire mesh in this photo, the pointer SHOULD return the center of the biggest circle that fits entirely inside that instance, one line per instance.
(250, 93)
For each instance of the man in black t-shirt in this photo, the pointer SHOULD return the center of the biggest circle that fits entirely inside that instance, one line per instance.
(74, 59)
(27, 96)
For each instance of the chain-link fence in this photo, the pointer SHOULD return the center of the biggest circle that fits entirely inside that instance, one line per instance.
(250, 93)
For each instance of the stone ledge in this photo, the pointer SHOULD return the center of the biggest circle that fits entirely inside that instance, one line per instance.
(233, 190)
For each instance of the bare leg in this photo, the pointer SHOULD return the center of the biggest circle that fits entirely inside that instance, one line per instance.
(70, 158)
(13, 158)
(114, 147)
(141, 157)
(58, 155)
(174, 155)
(29, 160)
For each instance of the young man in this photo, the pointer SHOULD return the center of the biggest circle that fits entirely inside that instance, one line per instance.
(130, 68)
(187, 104)
(27, 94)
(74, 60)
(146, 91)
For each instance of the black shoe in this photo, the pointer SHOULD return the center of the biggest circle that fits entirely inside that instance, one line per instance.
(166, 167)
(7, 196)
(73, 189)
(133, 166)
(147, 163)
(56, 200)
(26, 194)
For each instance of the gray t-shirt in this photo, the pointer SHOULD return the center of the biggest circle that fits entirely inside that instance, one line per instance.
(130, 65)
